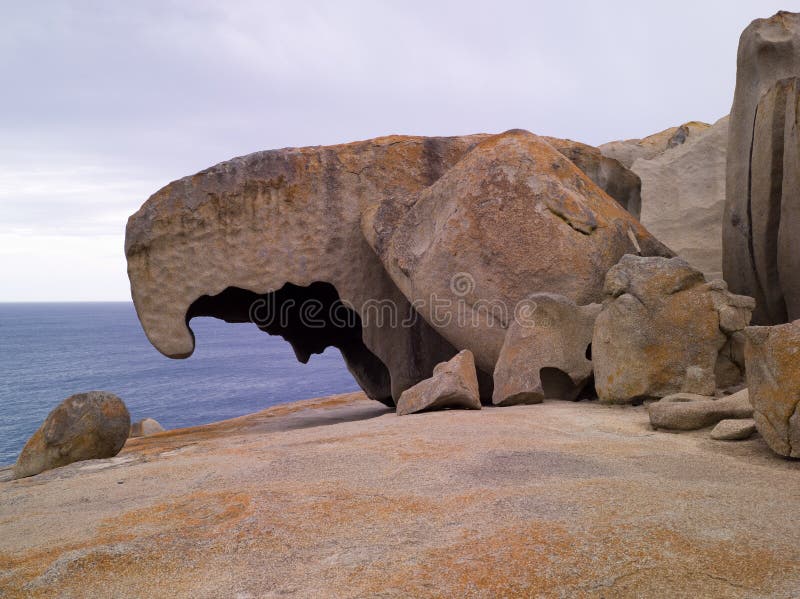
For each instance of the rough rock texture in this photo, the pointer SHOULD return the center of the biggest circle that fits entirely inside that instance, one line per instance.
(146, 426)
(683, 197)
(734, 430)
(629, 150)
(688, 412)
(513, 217)
(762, 212)
(662, 330)
(85, 426)
(339, 498)
(454, 384)
(608, 174)
(772, 355)
(546, 353)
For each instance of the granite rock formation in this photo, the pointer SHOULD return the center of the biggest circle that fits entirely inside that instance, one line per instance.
(546, 353)
(454, 384)
(762, 212)
(145, 427)
(512, 217)
(662, 329)
(688, 412)
(627, 151)
(85, 426)
(773, 377)
(734, 430)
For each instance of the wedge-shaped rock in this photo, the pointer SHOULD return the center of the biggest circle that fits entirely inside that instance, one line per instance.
(762, 211)
(85, 426)
(772, 355)
(511, 218)
(546, 351)
(662, 330)
(734, 430)
(454, 384)
(688, 412)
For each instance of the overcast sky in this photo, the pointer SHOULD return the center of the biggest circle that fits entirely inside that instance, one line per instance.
(103, 103)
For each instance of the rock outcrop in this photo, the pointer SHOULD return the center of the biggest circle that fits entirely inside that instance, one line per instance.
(734, 430)
(688, 412)
(454, 384)
(629, 150)
(608, 174)
(762, 212)
(512, 217)
(85, 426)
(772, 355)
(662, 330)
(546, 352)
(145, 427)
(683, 196)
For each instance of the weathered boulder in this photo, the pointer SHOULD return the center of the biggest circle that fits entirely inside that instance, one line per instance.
(772, 355)
(662, 330)
(546, 352)
(608, 174)
(454, 384)
(144, 427)
(734, 430)
(85, 426)
(762, 212)
(683, 197)
(629, 150)
(512, 217)
(688, 412)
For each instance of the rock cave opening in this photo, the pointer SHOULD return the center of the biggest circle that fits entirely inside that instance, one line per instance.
(311, 318)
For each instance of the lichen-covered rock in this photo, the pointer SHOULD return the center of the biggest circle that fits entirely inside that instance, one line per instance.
(454, 384)
(683, 197)
(85, 426)
(608, 174)
(772, 355)
(734, 430)
(627, 151)
(662, 329)
(762, 212)
(688, 412)
(144, 427)
(511, 218)
(546, 352)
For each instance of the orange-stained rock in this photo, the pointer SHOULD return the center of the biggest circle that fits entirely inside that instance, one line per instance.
(511, 218)
(546, 352)
(662, 330)
(85, 426)
(772, 355)
(454, 384)
(607, 173)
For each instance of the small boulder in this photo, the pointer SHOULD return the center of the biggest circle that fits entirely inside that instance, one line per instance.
(772, 355)
(664, 330)
(147, 426)
(734, 430)
(688, 412)
(85, 426)
(454, 384)
(545, 352)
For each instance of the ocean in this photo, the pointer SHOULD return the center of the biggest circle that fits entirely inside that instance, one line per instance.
(51, 351)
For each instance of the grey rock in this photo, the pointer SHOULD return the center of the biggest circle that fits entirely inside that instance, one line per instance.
(688, 412)
(454, 384)
(144, 427)
(734, 430)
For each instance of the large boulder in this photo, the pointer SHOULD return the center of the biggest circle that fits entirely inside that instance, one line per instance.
(662, 330)
(546, 352)
(512, 217)
(627, 151)
(683, 196)
(608, 174)
(688, 412)
(454, 384)
(762, 212)
(772, 355)
(85, 426)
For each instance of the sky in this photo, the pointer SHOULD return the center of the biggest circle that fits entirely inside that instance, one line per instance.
(103, 103)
